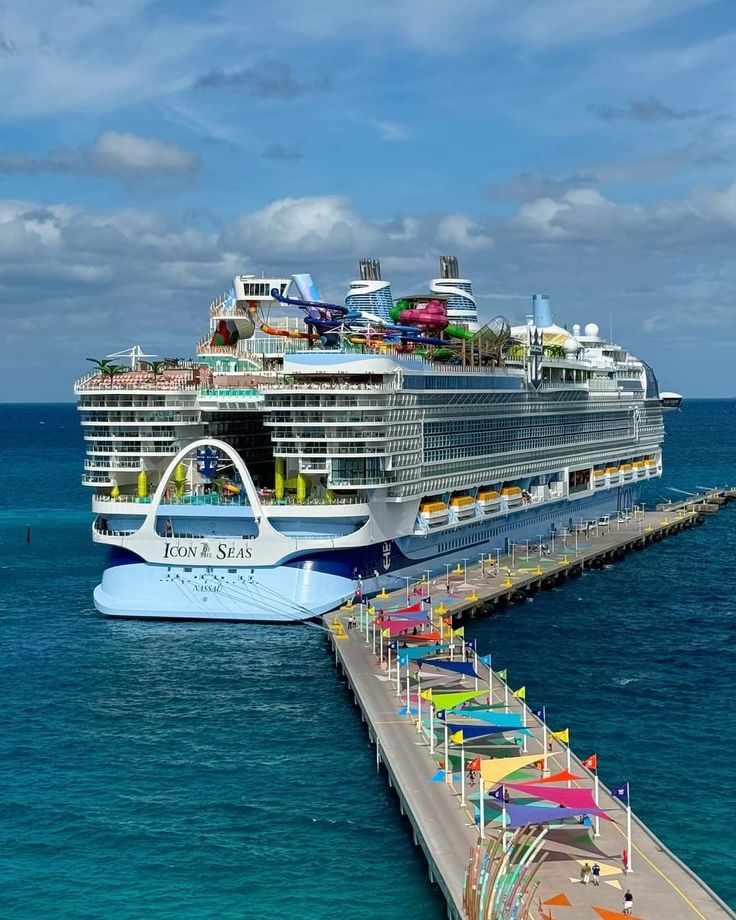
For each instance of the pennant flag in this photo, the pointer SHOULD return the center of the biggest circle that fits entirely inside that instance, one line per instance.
(591, 762)
(457, 737)
(621, 792)
(386, 633)
(459, 633)
(504, 674)
(426, 694)
(520, 694)
(472, 643)
(486, 659)
(493, 771)
(540, 713)
(564, 735)
(474, 764)
(393, 646)
(498, 794)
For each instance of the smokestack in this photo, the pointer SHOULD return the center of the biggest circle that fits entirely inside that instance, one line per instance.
(370, 270)
(449, 267)
(541, 310)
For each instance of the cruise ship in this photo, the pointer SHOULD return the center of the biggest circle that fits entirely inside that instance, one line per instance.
(312, 451)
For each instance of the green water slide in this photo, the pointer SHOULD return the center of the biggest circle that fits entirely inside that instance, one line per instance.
(457, 332)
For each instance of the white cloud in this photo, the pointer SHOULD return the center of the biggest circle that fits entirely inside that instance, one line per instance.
(463, 232)
(116, 154)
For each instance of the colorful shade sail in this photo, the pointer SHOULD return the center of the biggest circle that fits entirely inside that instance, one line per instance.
(397, 627)
(458, 667)
(519, 815)
(447, 700)
(512, 719)
(421, 651)
(478, 731)
(582, 799)
(493, 771)
(561, 777)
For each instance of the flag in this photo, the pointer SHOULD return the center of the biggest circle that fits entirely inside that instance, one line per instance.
(393, 645)
(474, 764)
(471, 643)
(457, 737)
(499, 793)
(520, 694)
(459, 633)
(621, 792)
(486, 659)
(503, 674)
(540, 713)
(426, 695)
(386, 633)
(564, 735)
(591, 762)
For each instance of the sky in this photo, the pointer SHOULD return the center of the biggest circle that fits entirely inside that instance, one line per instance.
(151, 151)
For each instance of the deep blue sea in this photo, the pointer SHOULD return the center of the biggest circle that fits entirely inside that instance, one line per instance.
(220, 771)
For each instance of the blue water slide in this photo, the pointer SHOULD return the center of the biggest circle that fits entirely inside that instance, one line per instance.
(293, 302)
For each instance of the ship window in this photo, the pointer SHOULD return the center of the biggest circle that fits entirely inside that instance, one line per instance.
(187, 570)
(233, 571)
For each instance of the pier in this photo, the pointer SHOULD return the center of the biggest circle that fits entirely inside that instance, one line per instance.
(427, 771)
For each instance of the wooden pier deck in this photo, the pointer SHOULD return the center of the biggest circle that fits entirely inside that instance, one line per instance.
(663, 887)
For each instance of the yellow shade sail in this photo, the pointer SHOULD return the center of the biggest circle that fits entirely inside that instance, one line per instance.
(493, 771)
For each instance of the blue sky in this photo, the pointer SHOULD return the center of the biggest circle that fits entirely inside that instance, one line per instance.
(150, 151)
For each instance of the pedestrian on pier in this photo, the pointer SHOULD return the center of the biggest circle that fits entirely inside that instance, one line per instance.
(596, 874)
(628, 903)
(585, 874)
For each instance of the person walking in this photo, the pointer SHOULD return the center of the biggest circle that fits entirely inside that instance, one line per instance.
(596, 871)
(585, 874)
(628, 903)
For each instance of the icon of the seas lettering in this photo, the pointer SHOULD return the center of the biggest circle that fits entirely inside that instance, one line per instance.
(191, 551)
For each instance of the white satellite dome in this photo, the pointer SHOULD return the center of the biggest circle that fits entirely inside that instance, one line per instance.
(591, 330)
(571, 346)
(576, 329)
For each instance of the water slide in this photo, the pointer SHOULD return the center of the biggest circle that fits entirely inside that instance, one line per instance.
(314, 304)
(288, 334)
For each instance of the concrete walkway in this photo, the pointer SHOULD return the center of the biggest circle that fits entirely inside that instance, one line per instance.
(662, 886)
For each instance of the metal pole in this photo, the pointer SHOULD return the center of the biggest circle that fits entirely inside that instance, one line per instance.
(462, 774)
(569, 782)
(374, 636)
(398, 674)
(448, 769)
(628, 828)
(597, 831)
(465, 573)
(482, 810)
(475, 667)
(506, 696)
(523, 722)
(503, 818)
(419, 703)
(431, 727)
(388, 658)
(408, 698)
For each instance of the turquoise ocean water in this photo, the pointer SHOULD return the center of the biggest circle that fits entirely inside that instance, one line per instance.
(205, 770)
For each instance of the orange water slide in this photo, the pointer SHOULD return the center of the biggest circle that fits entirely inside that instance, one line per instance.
(286, 333)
